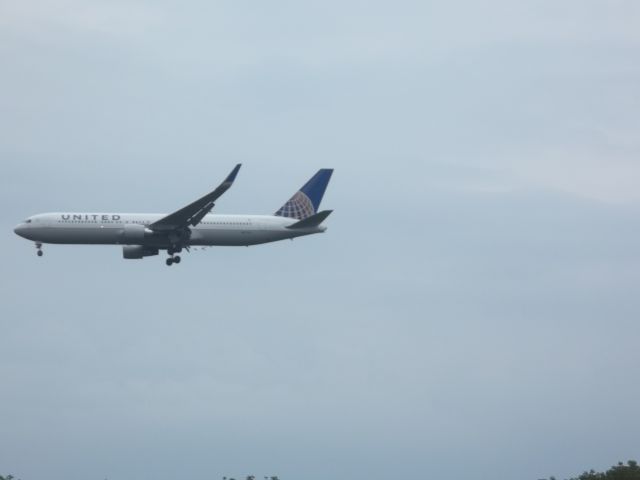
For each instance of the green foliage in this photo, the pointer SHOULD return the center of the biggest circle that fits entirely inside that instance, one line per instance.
(630, 471)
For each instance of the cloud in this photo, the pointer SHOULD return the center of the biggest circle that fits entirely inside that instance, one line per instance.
(47, 20)
(481, 258)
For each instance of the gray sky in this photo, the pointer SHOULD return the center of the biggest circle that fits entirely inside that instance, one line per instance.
(471, 311)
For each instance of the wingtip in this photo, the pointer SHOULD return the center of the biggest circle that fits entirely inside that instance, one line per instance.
(233, 174)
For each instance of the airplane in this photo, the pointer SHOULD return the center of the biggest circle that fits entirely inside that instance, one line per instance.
(145, 234)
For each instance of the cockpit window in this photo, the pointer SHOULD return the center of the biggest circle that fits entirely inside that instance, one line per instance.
(28, 220)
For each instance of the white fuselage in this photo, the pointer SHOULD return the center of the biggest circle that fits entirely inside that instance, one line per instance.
(111, 229)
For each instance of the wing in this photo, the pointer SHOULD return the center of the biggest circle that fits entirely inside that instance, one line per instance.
(192, 214)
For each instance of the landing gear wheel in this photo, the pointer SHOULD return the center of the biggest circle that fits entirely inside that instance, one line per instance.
(169, 262)
(170, 251)
(176, 259)
(40, 253)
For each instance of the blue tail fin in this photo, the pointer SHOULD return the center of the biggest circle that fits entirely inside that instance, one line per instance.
(306, 201)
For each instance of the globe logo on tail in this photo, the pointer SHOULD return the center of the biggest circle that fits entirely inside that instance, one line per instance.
(299, 206)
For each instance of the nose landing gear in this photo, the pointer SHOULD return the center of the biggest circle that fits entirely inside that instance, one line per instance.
(39, 251)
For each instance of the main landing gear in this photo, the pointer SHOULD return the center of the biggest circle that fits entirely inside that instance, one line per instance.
(173, 258)
(39, 251)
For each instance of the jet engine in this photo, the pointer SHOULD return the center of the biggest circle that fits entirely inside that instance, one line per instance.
(136, 252)
(133, 233)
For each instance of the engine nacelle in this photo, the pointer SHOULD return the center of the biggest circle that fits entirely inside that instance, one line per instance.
(136, 252)
(134, 233)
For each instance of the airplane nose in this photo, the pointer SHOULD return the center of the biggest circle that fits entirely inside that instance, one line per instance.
(19, 230)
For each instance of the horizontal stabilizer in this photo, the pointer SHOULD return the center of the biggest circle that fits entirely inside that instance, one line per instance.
(312, 221)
